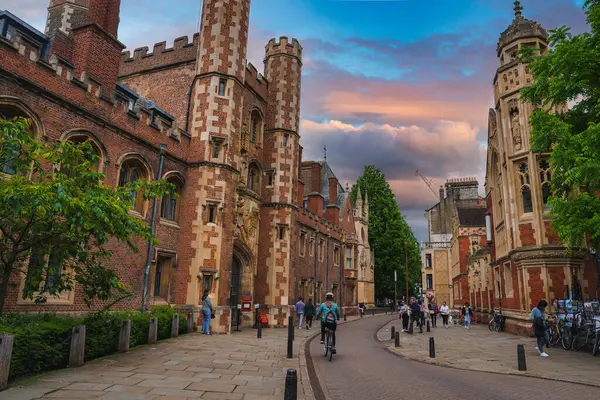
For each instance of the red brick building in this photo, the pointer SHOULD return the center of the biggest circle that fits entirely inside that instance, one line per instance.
(232, 149)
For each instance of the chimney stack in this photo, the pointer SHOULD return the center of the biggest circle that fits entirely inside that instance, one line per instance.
(332, 214)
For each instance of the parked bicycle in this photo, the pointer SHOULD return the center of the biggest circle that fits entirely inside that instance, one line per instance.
(497, 321)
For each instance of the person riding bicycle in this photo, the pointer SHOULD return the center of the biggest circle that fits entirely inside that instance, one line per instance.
(330, 314)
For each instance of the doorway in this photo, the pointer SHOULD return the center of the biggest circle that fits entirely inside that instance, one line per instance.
(234, 295)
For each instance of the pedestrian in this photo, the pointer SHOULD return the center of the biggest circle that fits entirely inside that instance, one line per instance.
(415, 314)
(361, 309)
(445, 311)
(309, 313)
(422, 313)
(539, 327)
(433, 312)
(300, 311)
(207, 313)
(467, 312)
(405, 315)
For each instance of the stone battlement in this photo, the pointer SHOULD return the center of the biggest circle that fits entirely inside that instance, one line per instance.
(283, 46)
(124, 108)
(161, 56)
(256, 81)
(469, 181)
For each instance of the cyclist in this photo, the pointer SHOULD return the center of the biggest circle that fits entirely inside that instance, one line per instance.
(330, 314)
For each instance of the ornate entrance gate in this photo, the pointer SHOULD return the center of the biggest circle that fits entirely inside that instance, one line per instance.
(234, 295)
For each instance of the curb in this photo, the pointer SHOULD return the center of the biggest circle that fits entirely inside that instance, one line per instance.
(319, 389)
(438, 364)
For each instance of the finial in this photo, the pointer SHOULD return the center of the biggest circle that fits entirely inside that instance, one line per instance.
(325, 152)
(518, 8)
(347, 187)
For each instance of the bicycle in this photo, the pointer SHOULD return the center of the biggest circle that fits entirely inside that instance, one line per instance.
(496, 321)
(553, 331)
(328, 345)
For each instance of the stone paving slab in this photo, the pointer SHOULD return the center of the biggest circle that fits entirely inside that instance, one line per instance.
(195, 366)
(479, 349)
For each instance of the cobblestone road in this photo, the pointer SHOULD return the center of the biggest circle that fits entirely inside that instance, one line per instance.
(364, 369)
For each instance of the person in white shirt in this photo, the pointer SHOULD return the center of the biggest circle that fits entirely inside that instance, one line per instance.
(445, 311)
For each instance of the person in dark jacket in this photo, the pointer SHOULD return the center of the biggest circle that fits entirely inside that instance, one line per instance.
(539, 327)
(415, 314)
(467, 312)
(309, 313)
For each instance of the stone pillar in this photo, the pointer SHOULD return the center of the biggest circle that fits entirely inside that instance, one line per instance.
(77, 351)
(124, 336)
(175, 326)
(153, 331)
(6, 346)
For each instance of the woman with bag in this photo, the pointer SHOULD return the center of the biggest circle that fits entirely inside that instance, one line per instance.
(207, 313)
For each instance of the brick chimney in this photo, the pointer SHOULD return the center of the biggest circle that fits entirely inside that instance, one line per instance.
(63, 17)
(300, 194)
(97, 50)
(333, 211)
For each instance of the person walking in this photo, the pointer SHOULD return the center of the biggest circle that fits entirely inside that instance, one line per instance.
(445, 311)
(405, 315)
(207, 312)
(433, 311)
(300, 312)
(467, 312)
(309, 313)
(539, 327)
(422, 312)
(415, 314)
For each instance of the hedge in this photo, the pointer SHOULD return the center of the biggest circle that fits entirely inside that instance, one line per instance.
(42, 341)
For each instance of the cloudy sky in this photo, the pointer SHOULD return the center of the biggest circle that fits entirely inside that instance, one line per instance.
(402, 84)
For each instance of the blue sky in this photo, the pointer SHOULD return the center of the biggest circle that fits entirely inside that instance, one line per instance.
(404, 85)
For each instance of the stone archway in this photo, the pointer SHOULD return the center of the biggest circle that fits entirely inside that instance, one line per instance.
(235, 292)
(242, 285)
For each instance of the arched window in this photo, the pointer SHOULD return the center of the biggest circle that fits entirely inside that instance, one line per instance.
(83, 137)
(256, 126)
(132, 170)
(169, 208)
(254, 178)
(525, 187)
(545, 178)
(8, 155)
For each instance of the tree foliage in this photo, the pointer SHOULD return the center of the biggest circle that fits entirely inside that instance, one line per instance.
(388, 231)
(57, 216)
(569, 74)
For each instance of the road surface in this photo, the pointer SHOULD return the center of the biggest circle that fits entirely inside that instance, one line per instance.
(364, 369)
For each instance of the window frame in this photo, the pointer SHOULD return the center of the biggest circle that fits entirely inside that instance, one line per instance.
(130, 164)
(222, 87)
(524, 182)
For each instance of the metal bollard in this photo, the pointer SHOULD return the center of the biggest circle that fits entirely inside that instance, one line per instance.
(290, 343)
(373, 312)
(259, 330)
(428, 326)
(521, 358)
(344, 316)
(397, 341)
(393, 332)
(431, 348)
(291, 385)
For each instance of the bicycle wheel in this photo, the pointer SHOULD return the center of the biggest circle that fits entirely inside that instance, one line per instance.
(596, 348)
(492, 324)
(330, 347)
(566, 339)
(579, 341)
(497, 325)
(326, 344)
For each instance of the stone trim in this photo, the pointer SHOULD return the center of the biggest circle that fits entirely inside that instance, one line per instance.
(280, 205)
(215, 165)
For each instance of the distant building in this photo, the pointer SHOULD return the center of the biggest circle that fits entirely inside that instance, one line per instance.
(456, 231)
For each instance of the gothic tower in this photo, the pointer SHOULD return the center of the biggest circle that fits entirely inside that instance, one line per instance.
(283, 66)
(215, 127)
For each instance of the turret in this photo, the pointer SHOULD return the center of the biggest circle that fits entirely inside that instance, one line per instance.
(366, 208)
(358, 207)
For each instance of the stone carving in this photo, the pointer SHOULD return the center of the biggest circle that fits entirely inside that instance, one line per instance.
(244, 172)
(516, 130)
(244, 138)
(246, 221)
(492, 122)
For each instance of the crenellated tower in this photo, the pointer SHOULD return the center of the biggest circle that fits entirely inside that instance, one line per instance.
(215, 121)
(281, 153)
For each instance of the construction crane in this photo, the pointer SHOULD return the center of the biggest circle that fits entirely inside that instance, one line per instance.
(428, 182)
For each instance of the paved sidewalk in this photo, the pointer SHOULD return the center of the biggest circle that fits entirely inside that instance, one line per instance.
(479, 349)
(236, 367)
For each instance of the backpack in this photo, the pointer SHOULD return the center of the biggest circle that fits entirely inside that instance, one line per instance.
(330, 316)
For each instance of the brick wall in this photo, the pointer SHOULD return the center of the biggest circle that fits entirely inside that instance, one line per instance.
(527, 234)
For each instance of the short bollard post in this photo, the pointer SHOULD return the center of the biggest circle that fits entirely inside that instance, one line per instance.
(521, 358)
(6, 347)
(190, 321)
(291, 322)
(153, 331)
(373, 312)
(259, 330)
(124, 336)
(290, 342)
(344, 316)
(175, 325)
(77, 351)
(393, 332)
(291, 385)
(397, 340)
(428, 326)
(431, 348)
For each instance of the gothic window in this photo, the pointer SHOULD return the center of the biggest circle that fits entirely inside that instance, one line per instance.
(222, 86)
(524, 182)
(169, 207)
(9, 154)
(256, 127)
(43, 271)
(302, 244)
(545, 177)
(254, 178)
(96, 153)
(130, 172)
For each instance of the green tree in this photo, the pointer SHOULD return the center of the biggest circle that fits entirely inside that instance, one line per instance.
(388, 232)
(569, 74)
(56, 216)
